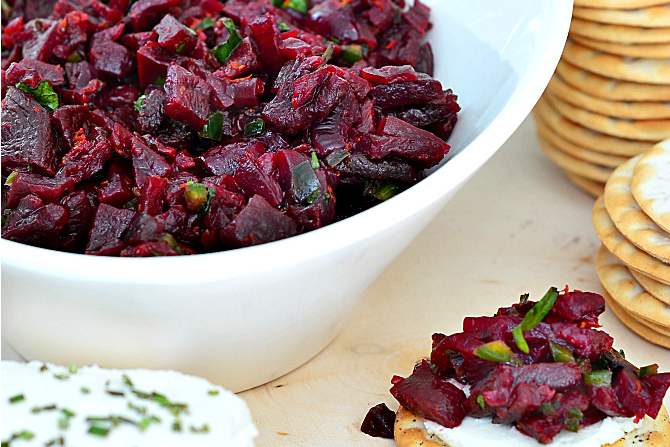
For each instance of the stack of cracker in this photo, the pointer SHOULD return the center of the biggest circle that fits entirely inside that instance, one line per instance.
(609, 98)
(632, 219)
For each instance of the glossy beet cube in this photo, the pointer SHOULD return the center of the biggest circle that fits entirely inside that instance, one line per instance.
(259, 222)
(109, 224)
(187, 97)
(144, 14)
(174, 36)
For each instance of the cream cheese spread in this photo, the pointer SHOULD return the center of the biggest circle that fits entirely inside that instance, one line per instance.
(49, 405)
(473, 431)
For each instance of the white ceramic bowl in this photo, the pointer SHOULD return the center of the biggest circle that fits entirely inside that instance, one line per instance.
(244, 317)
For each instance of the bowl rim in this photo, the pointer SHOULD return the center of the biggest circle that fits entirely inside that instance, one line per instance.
(335, 236)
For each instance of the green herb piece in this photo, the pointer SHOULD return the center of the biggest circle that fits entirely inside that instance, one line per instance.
(55, 441)
(213, 128)
(192, 31)
(159, 81)
(547, 408)
(481, 402)
(138, 409)
(127, 381)
(139, 102)
(5, 215)
(195, 195)
(45, 408)
(115, 393)
(43, 94)
(25, 434)
(11, 177)
(352, 53)
(278, 3)
(283, 27)
(174, 408)
(598, 378)
(315, 161)
(61, 376)
(30, 168)
(523, 299)
(648, 370)
(172, 242)
(561, 353)
(74, 57)
(496, 351)
(334, 40)
(298, 5)
(253, 128)
(533, 317)
(623, 354)
(381, 191)
(305, 183)
(131, 204)
(64, 421)
(73, 368)
(6, 8)
(176, 425)
(223, 51)
(574, 417)
(99, 431)
(180, 48)
(213, 392)
(203, 429)
(44, 368)
(206, 23)
(16, 399)
(601, 363)
(145, 422)
(336, 157)
(328, 53)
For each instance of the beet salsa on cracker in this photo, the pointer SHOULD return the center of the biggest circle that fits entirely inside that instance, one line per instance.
(541, 367)
(165, 127)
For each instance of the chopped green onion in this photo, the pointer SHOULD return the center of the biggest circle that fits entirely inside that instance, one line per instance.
(283, 27)
(255, 127)
(73, 368)
(211, 192)
(99, 431)
(548, 408)
(159, 80)
(574, 418)
(298, 5)
(523, 299)
(481, 402)
(45, 408)
(61, 376)
(623, 354)
(74, 57)
(213, 392)
(648, 370)
(496, 351)
(213, 128)
(127, 381)
(16, 399)
(561, 353)
(176, 426)
(139, 102)
(206, 23)
(305, 183)
(115, 393)
(131, 204)
(278, 3)
(44, 94)
(203, 429)
(334, 40)
(381, 191)
(195, 195)
(533, 317)
(315, 161)
(328, 53)
(180, 48)
(223, 51)
(44, 368)
(335, 158)
(352, 53)
(598, 378)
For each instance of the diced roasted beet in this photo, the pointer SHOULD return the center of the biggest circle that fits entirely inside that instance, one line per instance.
(121, 140)
(604, 399)
(425, 90)
(558, 376)
(424, 62)
(80, 218)
(264, 33)
(27, 135)
(379, 422)
(187, 97)
(259, 223)
(135, 41)
(216, 217)
(540, 427)
(331, 19)
(153, 62)
(152, 195)
(147, 162)
(255, 182)
(331, 134)
(176, 134)
(576, 306)
(174, 219)
(143, 228)
(291, 47)
(32, 72)
(389, 75)
(68, 120)
(39, 227)
(151, 113)
(657, 384)
(525, 399)
(41, 38)
(149, 249)
(632, 393)
(221, 160)
(116, 189)
(243, 61)
(109, 224)
(144, 14)
(87, 157)
(417, 16)
(586, 342)
(430, 396)
(174, 36)
(111, 58)
(46, 188)
(360, 165)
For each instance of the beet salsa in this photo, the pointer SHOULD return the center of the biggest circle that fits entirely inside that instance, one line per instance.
(165, 127)
(541, 367)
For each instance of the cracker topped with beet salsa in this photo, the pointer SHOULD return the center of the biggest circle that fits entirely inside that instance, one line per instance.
(538, 372)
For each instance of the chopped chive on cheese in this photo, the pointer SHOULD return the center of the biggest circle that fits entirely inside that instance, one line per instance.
(16, 399)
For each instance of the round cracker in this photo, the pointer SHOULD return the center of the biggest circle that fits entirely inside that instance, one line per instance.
(589, 186)
(608, 88)
(645, 130)
(598, 158)
(623, 249)
(627, 292)
(653, 17)
(584, 137)
(572, 164)
(619, 4)
(651, 325)
(649, 71)
(637, 110)
(410, 431)
(651, 184)
(635, 50)
(658, 289)
(618, 33)
(629, 218)
(643, 331)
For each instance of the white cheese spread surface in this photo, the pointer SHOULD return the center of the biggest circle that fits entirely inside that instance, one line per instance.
(91, 406)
